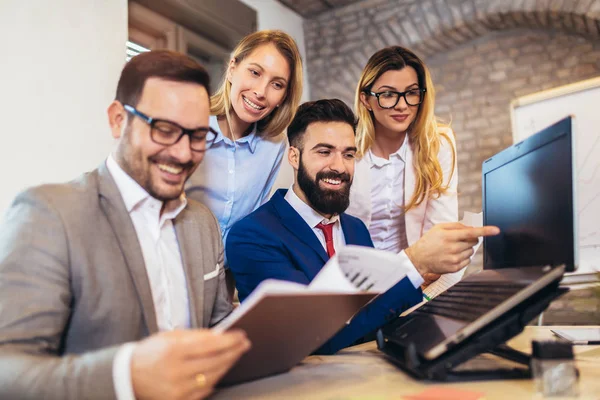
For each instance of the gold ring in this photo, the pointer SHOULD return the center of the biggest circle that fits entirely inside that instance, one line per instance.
(200, 380)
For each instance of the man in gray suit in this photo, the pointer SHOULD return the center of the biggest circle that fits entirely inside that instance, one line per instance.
(100, 276)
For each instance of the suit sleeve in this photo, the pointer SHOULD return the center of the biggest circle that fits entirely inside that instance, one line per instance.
(223, 305)
(255, 254)
(374, 315)
(35, 306)
(384, 308)
(445, 207)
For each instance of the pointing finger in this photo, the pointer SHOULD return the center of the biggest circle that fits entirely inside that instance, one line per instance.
(471, 233)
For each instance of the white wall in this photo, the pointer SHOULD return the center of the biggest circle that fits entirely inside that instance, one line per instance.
(536, 111)
(273, 15)
(59, 68)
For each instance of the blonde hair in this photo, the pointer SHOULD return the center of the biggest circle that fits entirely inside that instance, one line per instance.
(424, 134)
(276, 122)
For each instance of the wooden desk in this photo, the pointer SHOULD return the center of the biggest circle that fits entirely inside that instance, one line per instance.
(361, 372)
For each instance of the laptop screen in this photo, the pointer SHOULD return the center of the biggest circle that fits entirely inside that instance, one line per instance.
(528, 193)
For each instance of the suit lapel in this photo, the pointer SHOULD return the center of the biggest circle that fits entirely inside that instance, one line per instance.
(360, 192)
(293, 222)
(113, 206)
(350, 235)
(413, 218)
(409, 175)
(190, 240)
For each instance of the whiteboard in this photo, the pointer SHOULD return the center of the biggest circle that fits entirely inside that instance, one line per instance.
(532, 113)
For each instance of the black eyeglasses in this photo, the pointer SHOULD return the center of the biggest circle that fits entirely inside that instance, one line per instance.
(168, 133)
(389, 98)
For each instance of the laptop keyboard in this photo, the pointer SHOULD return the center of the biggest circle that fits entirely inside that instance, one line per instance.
(468, 301)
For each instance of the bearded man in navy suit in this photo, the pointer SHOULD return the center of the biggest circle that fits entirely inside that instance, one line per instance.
(292, 236)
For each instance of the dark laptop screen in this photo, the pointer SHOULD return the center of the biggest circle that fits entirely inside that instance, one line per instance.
(528, 194)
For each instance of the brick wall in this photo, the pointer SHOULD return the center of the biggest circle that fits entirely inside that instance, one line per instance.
(482, 54)
(477, 81)
(339, 42)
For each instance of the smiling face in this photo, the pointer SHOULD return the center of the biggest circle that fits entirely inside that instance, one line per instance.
(399, 118)
(160, 170)
(325, 166)
(258, 83)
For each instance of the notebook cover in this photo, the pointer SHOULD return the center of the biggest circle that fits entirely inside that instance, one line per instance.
(286, 328)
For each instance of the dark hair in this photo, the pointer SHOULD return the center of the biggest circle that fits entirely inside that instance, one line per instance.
(164, 64)
(327, 110)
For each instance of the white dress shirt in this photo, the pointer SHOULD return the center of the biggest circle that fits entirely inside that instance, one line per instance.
(164, 266)
(422, 217)
(313, 218)
(388, 226)
(235, 178)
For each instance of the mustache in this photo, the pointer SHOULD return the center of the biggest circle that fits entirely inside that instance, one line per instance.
(170, 161)
(344, 176)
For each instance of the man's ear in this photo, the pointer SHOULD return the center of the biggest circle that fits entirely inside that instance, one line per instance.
(117, 118)
(294, 157)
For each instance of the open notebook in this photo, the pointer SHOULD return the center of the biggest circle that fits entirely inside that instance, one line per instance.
(287, 321)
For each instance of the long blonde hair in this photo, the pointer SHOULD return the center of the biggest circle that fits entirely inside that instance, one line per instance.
(424, 134)
(276, 122)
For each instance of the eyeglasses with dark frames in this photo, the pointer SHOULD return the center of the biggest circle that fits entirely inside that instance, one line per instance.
(168, 133)
(389, 98)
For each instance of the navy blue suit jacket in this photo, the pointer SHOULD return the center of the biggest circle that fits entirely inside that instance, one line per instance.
(274, 242)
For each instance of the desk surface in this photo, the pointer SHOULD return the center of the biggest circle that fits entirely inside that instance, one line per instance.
(361, 372)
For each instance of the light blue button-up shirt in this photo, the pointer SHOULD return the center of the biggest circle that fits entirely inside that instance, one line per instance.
(234, 179)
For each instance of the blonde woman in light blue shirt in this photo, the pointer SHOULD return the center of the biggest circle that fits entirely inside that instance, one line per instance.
(250, 111)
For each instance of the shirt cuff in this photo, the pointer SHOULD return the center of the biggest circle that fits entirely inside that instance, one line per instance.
(122, 372)
(411, 272)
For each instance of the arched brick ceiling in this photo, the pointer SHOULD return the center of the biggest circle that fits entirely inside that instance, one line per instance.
(311, 8)
(428, 27)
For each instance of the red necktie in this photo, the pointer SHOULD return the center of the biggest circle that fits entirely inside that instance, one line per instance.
(328, 232)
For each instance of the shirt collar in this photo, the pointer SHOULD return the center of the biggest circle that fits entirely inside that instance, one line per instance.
(250, 138)
(308, 214)
(134, 195)
(379, 162)
(213, 122)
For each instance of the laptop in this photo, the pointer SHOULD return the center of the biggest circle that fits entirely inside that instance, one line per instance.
(528, 192)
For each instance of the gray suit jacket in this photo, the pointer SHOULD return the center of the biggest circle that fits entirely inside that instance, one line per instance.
(73, 286)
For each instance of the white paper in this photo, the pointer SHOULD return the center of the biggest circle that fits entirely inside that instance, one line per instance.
(448, 280)
(353, 269)
(331, 278)
(359, 268)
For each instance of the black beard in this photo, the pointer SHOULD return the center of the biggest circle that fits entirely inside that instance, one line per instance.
(325, 201)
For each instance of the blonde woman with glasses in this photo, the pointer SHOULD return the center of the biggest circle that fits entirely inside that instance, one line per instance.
(405, 179)
(255, 103)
